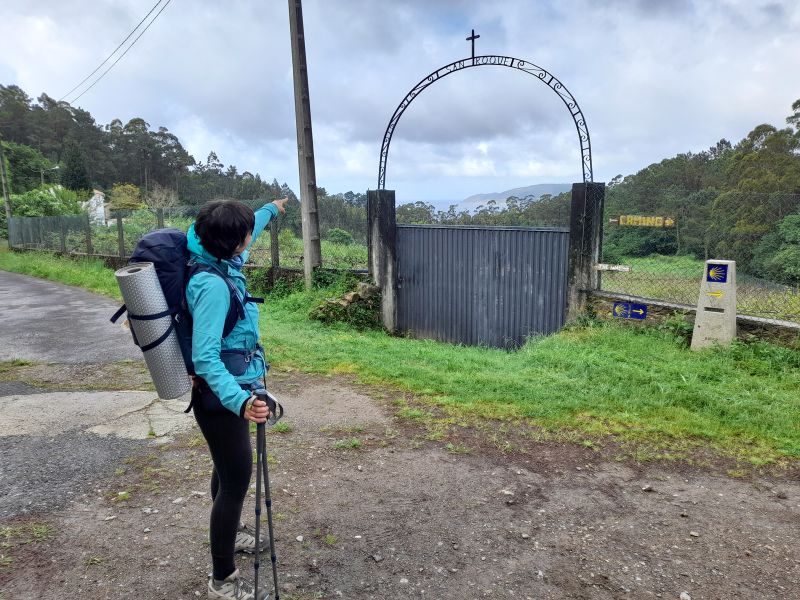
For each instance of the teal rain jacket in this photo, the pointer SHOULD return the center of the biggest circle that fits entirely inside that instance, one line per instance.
(208, 297)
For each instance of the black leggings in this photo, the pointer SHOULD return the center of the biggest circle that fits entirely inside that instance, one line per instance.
(228, 438)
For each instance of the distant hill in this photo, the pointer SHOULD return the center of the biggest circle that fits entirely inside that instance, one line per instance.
(531, 190)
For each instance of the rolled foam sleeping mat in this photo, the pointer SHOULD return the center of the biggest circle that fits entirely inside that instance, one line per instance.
(142, 294)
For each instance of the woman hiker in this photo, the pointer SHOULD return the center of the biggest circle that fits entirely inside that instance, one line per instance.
(227, 368)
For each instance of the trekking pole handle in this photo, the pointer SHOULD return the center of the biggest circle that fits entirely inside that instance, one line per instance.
(275, 408)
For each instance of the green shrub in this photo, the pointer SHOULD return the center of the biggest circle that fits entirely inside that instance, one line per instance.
(125, 196)
(45, 201)
(339, 236)
(286, 287)
(260, 282)
(678, 327)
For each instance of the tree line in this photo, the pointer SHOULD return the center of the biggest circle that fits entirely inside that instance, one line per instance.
(733, 201)
(48, 142)
(55, 142)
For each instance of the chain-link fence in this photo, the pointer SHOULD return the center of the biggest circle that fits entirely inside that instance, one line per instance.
(67, 234)
(661, 238)
(118, 234)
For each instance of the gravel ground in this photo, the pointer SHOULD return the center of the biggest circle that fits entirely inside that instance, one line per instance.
(41, 474)
(394, 515)
(18, 388)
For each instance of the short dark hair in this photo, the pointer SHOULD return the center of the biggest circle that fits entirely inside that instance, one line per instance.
(223, 225)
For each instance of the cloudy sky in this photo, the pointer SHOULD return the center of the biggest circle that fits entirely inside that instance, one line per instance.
(652, 77)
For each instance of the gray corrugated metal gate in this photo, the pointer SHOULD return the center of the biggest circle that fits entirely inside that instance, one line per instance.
(481, 286)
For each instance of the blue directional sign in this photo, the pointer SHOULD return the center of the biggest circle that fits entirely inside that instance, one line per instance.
(629, 310)
(717, 273)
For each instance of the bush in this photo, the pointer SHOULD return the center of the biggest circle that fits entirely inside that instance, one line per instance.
(612, 254)
(339, 236)
(125, 196)
(678, 328)
(45, 201)
(285, 287)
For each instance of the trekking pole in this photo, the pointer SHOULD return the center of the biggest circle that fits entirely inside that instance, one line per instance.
(268, 502)
(259, 447)
(276, 412)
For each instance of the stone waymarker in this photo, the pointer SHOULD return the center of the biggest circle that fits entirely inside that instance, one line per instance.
(715, 322)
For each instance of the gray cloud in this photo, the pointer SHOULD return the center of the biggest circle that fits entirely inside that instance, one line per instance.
(652, 78)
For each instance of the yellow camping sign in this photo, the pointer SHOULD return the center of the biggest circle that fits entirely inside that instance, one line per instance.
(644, 221)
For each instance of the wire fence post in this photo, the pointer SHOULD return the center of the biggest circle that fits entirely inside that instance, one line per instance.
(120, 236)
(6, 187)
(88, 230)
(160, 217)
(382, 223)
(274, 251)
(63, 235)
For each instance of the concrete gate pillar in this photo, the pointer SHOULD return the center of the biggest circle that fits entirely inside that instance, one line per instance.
(382, 248)
(585, 245)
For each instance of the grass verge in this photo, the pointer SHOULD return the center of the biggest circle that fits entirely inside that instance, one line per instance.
(90, 274)
(601, 379)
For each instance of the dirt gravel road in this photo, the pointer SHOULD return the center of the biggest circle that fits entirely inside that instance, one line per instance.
(365, 507)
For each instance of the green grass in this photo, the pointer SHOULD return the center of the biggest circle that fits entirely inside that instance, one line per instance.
(90, 274)
(604, 379)
(348, 444)
(6, 366)
(280, 427)
(334, 256)
(639, 385)
(672, 266)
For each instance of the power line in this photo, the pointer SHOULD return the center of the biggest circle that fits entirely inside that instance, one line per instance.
(113, 53)
(126, 49)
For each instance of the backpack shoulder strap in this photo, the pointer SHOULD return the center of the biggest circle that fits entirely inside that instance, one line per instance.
(236, 309)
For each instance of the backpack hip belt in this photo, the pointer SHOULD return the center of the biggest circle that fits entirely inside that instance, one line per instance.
(236, 360)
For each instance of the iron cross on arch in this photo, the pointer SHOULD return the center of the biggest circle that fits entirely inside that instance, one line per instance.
(502, 61)
(472, 39)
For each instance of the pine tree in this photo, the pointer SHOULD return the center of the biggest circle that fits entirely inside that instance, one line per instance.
(74, 175)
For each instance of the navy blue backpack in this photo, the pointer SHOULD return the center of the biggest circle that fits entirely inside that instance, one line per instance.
(167, 250)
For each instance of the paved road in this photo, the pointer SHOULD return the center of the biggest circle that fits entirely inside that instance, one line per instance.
(55, 444)
(49, 322)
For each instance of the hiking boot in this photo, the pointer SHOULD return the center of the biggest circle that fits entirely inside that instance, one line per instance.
(233, 587)
(246, 540)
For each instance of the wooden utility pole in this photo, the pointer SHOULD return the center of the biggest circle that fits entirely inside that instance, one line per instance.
(5, 185)
(312, 251)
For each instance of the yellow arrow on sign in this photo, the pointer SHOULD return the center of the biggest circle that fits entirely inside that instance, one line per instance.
(638, 311)
(717, 294)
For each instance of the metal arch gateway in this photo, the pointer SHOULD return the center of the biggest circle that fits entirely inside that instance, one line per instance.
(502, 61)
